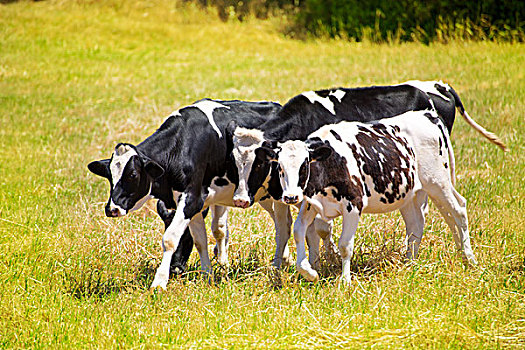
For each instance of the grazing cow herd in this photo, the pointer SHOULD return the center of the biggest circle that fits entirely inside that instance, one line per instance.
(340, 152)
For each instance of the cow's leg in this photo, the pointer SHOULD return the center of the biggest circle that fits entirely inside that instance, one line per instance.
(414, 216)
(324, 230)
(180, 258)
(453, 208)
(219, 228)
(320, 229)
(313, 241)
(346, 242)
(200, 239)
(187, 207)
(304, 219)
(282, 218)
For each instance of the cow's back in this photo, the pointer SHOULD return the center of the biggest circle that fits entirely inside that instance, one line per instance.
(309, 111)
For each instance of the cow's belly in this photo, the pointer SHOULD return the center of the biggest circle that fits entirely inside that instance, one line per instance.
(377, 203)
(375, 206)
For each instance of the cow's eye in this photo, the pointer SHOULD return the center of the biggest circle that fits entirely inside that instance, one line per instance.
(133, 176)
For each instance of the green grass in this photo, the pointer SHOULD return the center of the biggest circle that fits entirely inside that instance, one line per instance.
(77, 78)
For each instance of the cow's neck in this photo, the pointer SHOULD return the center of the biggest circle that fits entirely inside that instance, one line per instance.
(163, 149)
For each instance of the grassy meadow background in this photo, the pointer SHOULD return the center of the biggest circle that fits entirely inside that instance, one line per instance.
(78, 77)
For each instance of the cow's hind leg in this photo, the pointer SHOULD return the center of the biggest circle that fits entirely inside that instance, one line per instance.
(453, 208)
(219, 227)
(414, 216)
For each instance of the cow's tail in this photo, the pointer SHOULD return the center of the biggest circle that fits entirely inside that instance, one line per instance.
(487, 134)
(452, 163)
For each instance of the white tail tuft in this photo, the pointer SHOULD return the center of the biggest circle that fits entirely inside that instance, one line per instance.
(487, 134)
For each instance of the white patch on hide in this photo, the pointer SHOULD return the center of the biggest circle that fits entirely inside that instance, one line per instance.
(313, 97)
(338, 94)
(207, 107)
(429, 87)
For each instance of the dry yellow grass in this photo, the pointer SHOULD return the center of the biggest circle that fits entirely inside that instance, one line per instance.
(77, 77)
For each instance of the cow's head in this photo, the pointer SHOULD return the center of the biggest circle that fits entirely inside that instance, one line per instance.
(130, 175)
(293, 159)
(253, 171)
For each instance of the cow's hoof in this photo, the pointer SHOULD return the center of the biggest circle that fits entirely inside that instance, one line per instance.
(159, 283)
(287, 261)
(308, 273)
(223, 260)
(346, 280)
(470, 261)
(275, 277)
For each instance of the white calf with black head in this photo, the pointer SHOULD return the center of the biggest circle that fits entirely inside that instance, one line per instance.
(353, 168)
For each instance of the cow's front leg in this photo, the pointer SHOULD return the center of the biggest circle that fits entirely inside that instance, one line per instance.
(219, 228)
(321, 229)
(200, 239)
(304, 219)
(346, 241)
(283, 224)
(282, 220)
(324, 230)
(171, 239)
(313, 241)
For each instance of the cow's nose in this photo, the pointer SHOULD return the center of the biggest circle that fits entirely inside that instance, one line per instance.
(112, 213)
(241, 203)
(291, 199)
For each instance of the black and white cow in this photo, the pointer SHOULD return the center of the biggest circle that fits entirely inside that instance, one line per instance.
(350, 168)
(186, 164)
(309, 111)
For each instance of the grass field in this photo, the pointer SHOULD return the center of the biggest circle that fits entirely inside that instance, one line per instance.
(75, 79)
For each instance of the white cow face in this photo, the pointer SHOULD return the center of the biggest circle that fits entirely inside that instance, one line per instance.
(130, 176)
(252, 172)
(294, 158)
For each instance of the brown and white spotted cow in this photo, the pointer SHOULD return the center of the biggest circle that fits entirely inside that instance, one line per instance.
(350, 168)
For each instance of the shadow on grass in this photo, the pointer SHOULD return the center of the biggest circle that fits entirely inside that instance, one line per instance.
(99, 283)
(247, 264)
(366, 261)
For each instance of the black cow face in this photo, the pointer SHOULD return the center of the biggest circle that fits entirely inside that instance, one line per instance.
(130, 175)
(261, 167)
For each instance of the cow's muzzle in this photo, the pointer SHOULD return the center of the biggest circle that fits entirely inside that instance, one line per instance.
(241, 202)
(290, 199)
(114, 211)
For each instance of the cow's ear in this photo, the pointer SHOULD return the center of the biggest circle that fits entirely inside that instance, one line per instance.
(319, 151)
(266, 154)
(230, 128)
(272, 144)
(153, 169)
(100, 168)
